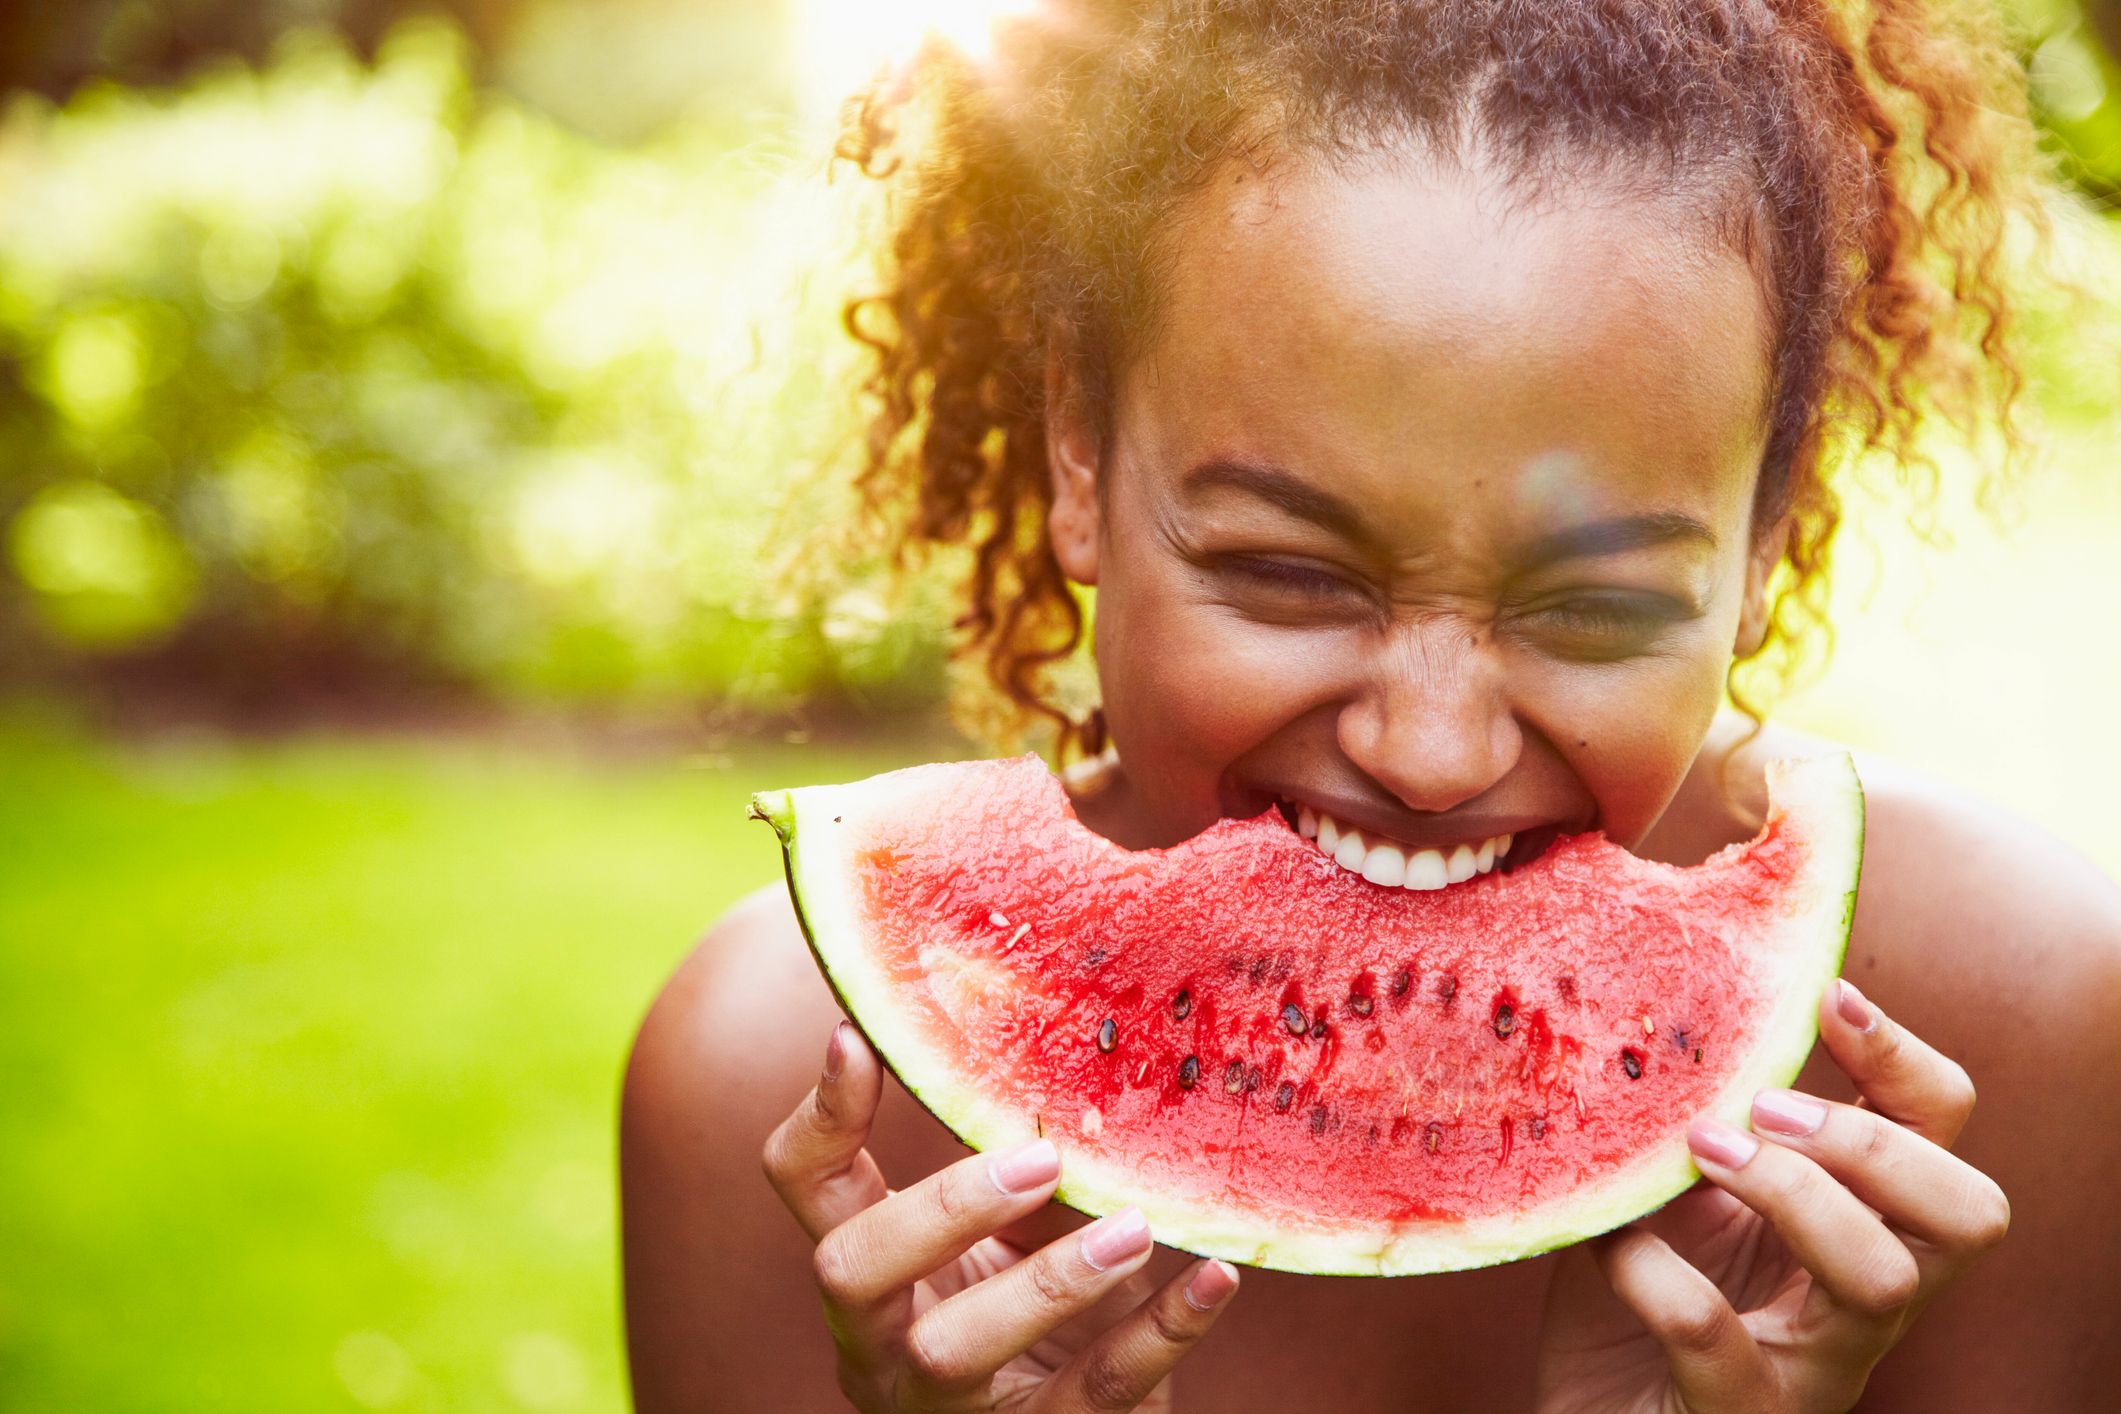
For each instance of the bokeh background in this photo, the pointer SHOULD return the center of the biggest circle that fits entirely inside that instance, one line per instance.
(400, 411)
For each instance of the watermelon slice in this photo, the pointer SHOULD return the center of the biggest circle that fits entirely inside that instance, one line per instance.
(1288, 1066)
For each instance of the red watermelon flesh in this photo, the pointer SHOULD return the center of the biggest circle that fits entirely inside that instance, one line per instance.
(1286, 1065)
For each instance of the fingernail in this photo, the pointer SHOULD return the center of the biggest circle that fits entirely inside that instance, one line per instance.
(1116, 1239)
(836, 1052)
(1787, 1112)
(1025, 1167)
(1211, 1286)
(1720, 1144)
(1853, 1008)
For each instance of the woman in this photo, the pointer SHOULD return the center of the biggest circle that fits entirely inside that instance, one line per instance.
(1443, 400)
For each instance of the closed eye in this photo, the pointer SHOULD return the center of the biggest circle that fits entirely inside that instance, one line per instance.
(1283, 575)
(1607, 625)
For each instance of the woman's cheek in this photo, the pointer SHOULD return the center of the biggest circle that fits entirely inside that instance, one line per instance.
(1190, 688)
(1629, 732)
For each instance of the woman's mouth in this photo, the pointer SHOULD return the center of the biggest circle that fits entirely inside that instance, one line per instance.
(1393, 863)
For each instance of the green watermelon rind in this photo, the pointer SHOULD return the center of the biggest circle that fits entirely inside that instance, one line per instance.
(1821, 797)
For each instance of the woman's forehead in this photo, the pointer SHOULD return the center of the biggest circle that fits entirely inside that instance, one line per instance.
(1405, 329)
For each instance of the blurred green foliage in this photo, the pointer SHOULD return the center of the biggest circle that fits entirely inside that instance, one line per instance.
(333, 378)
(2076, 84)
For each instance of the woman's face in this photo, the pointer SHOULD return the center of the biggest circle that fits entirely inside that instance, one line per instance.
(1427, 508)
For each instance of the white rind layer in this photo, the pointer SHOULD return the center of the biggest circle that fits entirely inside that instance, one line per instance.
(1801, 955)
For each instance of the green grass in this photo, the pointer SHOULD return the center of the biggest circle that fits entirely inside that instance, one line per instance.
(311, 1054)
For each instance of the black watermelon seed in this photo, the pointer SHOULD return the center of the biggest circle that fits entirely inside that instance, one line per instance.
(1318, 1119)
(1318, 1029)
(1446, 989)
(1292, 1016)
(1233, 1077)
(1360, 1004)
(1631, 1062)
(1188, 1072)
(1251, 1080)
(1183, 1005)
(1401, 980)
(1107, 1034)
(1697, 1055)
(1505, 1021)
(1285, 1096)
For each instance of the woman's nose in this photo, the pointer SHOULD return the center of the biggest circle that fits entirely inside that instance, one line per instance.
(1432, 722)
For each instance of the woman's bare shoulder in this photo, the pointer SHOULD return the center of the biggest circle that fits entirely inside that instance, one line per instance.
(746, 990)
(714, 1268)
(1976, 908)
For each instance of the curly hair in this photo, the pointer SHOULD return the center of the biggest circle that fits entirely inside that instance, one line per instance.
(1871, 159)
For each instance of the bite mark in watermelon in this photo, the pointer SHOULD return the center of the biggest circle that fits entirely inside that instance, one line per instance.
(1288, 1066)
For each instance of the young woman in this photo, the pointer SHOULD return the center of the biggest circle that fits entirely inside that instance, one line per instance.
(1443, 396)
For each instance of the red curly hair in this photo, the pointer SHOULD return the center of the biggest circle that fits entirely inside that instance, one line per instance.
(1868, 158)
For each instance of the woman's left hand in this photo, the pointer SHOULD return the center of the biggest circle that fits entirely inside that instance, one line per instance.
(1777, 1285)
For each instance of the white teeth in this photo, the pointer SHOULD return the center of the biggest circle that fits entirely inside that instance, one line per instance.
(1392, 864)
(1426, 870)
(1384, 864)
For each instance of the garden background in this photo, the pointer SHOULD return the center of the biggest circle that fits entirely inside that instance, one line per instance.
(400, 409)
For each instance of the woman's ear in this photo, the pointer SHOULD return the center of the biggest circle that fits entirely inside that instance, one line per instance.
(1073, 523)
(1767, 552)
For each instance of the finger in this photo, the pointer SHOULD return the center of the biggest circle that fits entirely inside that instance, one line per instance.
(1714, 1361)
(1898, 1073)
(1853, 1258)
(866, 1267)
(956, 1346)
(1123, 1367)
(1953, 1210)
(1695, 1220)
(815, 1159)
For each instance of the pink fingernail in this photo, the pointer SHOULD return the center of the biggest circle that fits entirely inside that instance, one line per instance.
(1853, 1008)
(1116, 1239)
(1720, 1144)
(836, 1052)
(1025, 1167)
(1211, 1286)
(1787, 1112)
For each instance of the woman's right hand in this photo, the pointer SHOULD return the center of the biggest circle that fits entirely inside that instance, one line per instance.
(933, 1312)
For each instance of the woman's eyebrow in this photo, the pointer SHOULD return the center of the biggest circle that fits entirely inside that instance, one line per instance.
(1611, 536)
(1292, 494)
(1282, 489)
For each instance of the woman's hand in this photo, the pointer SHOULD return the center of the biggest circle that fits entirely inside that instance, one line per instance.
(932, 1311)
(1778, 1288)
